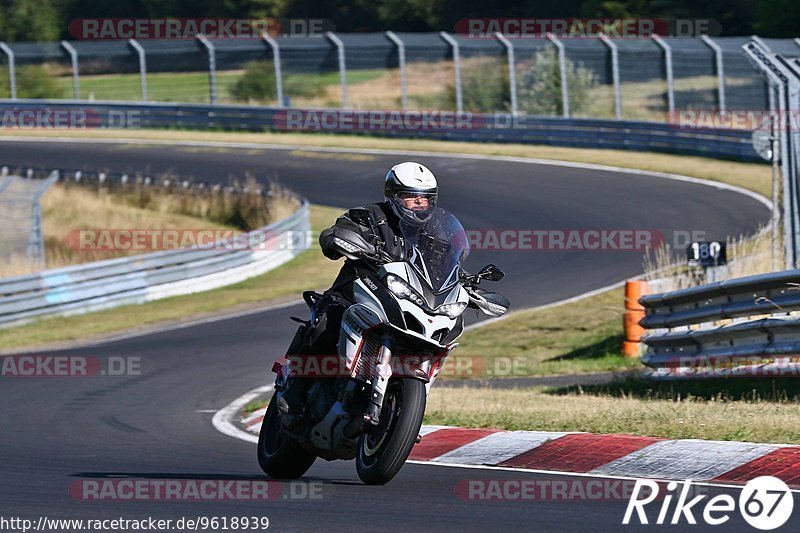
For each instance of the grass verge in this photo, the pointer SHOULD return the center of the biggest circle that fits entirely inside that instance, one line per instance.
(308, 270)
(756, 411)
(543, 342)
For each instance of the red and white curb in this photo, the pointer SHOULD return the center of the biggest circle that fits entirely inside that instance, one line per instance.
(613, 456)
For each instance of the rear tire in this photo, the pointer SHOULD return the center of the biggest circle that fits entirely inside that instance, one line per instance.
(383, 453)
(280, 457)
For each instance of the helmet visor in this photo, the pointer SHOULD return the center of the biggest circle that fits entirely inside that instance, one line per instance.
(416, 201)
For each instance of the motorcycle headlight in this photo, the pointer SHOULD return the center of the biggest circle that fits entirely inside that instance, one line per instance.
(452, 310)
(401, 289)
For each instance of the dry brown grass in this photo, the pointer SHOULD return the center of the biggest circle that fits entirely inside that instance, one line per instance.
(67, 207)
(309, 270)
(747, 256)
(534, 409)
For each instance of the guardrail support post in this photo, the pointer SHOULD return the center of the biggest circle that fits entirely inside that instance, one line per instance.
(12, 74)
(512, 70)
(276, 59)
(342, 65)
(562, 68)
(73, 55)
(456, 66)
(401, 54)
(720, 71)
(142, 66)
(212, 67)
(612, 46)
(668, 67)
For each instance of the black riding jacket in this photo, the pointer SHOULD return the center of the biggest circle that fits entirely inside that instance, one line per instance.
(375, 223)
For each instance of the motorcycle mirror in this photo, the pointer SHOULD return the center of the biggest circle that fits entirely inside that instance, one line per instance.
(491, 273)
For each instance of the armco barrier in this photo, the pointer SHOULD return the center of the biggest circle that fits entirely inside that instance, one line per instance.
(737, 327)
(141, 278)
(496, 128)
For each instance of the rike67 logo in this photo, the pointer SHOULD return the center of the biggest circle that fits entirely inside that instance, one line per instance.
(765, 503)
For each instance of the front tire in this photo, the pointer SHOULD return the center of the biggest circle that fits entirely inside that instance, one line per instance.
(382, 453)
(279, 456)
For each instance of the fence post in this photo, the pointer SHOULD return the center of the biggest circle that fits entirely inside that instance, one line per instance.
(35, 237)
(614, 74)
(792, 70)
(562, 67)
(276, 59)
(668, 67)
(73, 54)
(12, 74)
(342, 65)
(788, 91)
(457, 67)
(142, 66)
(212, 67)
(512, 70)
(401, 53)
(720, 72)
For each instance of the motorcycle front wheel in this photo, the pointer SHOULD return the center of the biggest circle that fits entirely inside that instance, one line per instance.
(382, 453)
(279, 456)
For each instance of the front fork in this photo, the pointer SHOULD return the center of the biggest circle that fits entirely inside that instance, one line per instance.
(380, 380)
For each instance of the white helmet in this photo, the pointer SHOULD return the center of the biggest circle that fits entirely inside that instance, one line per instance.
(409, 180)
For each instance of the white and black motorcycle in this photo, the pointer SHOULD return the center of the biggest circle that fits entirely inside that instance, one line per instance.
(393, 342)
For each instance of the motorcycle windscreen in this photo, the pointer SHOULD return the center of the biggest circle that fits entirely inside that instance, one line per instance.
(437, 244)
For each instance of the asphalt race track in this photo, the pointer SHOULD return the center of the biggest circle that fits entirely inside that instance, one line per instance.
(157, 425)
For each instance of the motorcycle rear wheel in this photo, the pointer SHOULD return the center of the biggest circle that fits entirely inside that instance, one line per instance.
(279, 456)
(382, 453)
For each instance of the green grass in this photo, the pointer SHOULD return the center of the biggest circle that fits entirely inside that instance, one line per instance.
(193, 87)
(579, 337)
(763, 410)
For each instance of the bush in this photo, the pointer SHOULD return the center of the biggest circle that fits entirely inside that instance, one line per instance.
(256, 84)
(484, 89)
(33, 81)
(539, 85)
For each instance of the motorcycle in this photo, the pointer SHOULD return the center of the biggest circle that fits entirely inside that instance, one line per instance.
(393, 341)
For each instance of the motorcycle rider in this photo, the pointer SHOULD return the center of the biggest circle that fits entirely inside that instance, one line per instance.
(410, 193)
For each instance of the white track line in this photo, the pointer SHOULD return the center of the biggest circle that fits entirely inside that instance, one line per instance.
(222, 420)
(377, 151)
(157, 329)
(289, 147)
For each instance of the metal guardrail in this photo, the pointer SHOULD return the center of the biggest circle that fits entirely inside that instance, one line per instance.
(141, 278)
(497, 128)
(759, 335)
